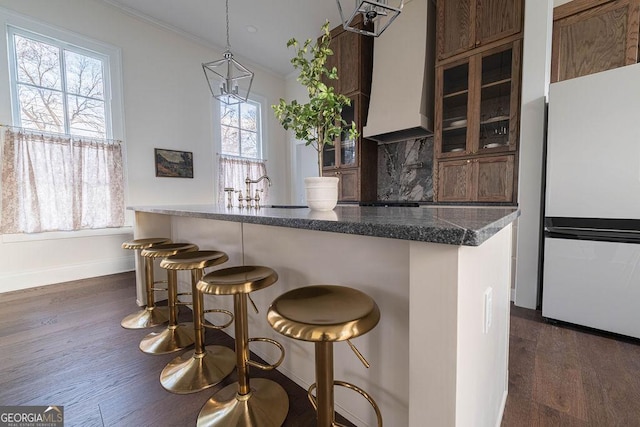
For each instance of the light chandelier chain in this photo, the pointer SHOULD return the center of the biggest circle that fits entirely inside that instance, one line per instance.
(227, 8)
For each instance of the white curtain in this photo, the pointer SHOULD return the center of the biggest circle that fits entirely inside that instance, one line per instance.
(232, 173)
(53, 183)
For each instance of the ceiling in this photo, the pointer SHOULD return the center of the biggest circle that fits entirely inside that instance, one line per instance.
(274, 21)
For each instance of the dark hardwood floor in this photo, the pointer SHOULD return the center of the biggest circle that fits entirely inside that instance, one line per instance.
(565, 376)
(63, 345)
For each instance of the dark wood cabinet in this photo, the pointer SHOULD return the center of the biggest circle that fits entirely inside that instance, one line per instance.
(498, 19)
(477, 100)
(454, 178)
(482, 179)
(477, 118)
(354, 162)
(353, 57)
(455, 32)
(463, 25)
(494, 179)
(348, 185)
(590, 36)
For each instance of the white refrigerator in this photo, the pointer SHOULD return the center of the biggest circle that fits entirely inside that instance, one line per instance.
(591, 260)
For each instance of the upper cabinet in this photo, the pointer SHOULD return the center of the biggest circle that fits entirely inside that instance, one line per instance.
(477, 100)
(467, 24)
(590, 36)
(353, 57)
(477, 103)
(353, 162)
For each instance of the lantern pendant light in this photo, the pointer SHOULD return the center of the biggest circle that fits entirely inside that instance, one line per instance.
(229, 81)
(377, 15)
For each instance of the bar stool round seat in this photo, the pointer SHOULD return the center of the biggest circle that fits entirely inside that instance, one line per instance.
(256, 402)
(177, 335)
(145, 317)
(324, 314)
(156, 315)
(135, 244)
(201, 367)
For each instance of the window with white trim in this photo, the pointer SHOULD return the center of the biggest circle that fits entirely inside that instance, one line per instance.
(65, 171)
(58, 87)
(241, 148)
(240, 130)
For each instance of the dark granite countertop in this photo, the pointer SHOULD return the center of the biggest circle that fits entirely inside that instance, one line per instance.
(453, 225)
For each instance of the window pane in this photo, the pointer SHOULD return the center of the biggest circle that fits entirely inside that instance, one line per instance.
(41, 109)
(84, 75)
(37, 63)
(249, 146)
(86, 116)
(249, 117)
(230, 141)
(229, 114)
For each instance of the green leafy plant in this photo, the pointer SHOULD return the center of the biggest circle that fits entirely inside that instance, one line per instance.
(318, 122)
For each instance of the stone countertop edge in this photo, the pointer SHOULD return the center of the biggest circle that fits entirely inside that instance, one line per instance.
(452, 225)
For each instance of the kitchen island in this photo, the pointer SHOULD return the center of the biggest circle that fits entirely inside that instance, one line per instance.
(440, 275)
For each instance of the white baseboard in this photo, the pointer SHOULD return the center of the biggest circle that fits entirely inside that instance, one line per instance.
(66, 273)
(502, 407)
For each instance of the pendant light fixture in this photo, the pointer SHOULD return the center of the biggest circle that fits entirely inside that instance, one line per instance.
(229, 81)
(379, 13)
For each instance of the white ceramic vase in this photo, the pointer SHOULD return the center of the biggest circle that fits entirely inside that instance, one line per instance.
(321, 192)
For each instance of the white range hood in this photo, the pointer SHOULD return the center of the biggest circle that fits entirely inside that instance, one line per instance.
(401, 105)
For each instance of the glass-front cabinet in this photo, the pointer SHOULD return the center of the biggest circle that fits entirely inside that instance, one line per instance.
(344, 151)
(498, 115)
(353, 161)
(455, 101)
(348, 152)
(345, 159)
(477, 103)
(477, 115)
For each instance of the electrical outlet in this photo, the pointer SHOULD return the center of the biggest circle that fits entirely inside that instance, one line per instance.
(488, 310)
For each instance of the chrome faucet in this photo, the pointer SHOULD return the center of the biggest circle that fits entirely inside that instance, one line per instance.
(255, 199)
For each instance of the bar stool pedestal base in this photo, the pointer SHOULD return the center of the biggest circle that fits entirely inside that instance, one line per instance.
(146, 318)
(190, 373)
(265, 406)
(171, 339)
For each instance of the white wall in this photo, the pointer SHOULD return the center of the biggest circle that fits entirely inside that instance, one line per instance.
(166, 105)
(304, 160)
(536, 66)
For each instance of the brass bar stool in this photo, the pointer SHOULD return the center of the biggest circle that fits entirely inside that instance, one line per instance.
(261, 402)
(173, 338)
(149, 316)
(201, 367)
(324, 314)
(152, 315)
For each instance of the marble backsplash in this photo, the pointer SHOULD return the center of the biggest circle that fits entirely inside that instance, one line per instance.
(405, 170)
